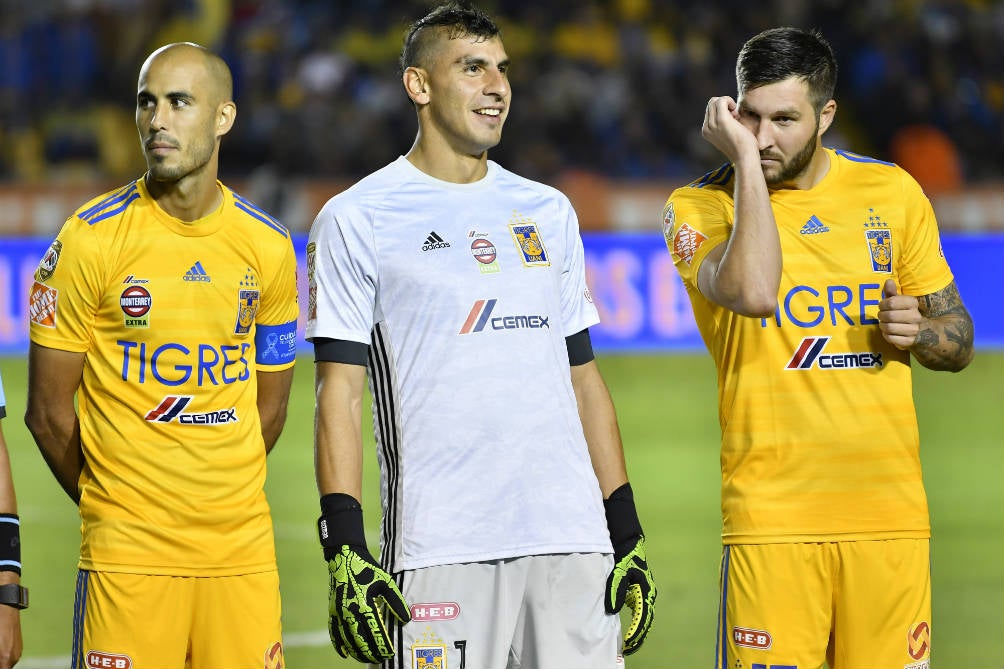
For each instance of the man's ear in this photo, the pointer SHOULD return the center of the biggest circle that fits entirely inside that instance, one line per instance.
(416, 84)
(826, 116)
(226, 114)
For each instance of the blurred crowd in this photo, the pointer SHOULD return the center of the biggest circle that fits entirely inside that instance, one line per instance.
(616, 88)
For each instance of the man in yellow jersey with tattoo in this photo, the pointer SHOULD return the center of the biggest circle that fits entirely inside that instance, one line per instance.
(815, 276)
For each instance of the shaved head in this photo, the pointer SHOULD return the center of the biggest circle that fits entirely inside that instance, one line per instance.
(221, 82)
(450, 21)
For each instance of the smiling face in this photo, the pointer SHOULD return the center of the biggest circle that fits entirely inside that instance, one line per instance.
(182, 109)
(786, 126)
(463, 93)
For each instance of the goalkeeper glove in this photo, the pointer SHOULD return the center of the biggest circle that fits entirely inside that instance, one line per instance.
(356, 623)
(631, 580)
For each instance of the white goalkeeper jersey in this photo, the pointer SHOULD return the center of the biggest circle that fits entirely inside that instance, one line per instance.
(465, 294)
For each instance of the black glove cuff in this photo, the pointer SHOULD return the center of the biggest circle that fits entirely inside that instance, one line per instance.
(622, 520)
(340, 524)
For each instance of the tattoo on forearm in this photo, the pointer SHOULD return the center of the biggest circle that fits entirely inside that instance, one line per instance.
(927, 338)
(948, 343)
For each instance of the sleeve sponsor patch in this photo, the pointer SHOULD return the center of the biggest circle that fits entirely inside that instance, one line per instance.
(311, 283)
(42, 304)
(47, 266)
(668, 221)
(686, 242)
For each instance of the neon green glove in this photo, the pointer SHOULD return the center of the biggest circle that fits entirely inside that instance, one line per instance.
(357, 585)
(631, 580)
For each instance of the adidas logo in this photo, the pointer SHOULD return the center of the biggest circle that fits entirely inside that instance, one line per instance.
(197, 273)
(434, 241)
(813, 226)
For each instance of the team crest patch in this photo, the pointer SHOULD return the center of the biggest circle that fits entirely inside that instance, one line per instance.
(247, 307)
(686, 243)
(429, 652)
(528, 241)
(274, 658)
(311, 284)
(668, 221)
(42, 305)
(880, 249)
(918, 641)
(47, 266)
(428, 657)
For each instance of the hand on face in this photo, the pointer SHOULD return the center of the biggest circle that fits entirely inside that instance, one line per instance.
(724, 131)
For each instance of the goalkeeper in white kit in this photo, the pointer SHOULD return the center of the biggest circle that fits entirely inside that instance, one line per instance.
(510, 535)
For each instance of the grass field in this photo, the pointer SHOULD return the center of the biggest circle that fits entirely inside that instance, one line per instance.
(669, 423)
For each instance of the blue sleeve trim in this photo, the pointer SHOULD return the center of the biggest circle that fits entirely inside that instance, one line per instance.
(113, 212)
(275, 344)
(114, 198)
(110, 206)
(715, 177)
(856, 158)
(252, 209)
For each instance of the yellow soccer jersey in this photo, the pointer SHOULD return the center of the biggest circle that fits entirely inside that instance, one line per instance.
(819, 432)
(175, 320)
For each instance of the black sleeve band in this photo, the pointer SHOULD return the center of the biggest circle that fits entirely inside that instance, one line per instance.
(580, 348)
(340, 350)
(10, 542)
(341, 523)
(622, 518)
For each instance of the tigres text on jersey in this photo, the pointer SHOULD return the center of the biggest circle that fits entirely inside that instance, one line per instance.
(175, 320)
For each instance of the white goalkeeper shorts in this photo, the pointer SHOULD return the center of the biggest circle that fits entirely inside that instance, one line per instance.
(533, 612)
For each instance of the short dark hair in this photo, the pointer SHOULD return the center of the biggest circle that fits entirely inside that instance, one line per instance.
(460, 19)
(781, 53)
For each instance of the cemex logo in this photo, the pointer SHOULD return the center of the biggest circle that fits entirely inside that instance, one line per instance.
(480, 317)
(172, 406)
(810, 354)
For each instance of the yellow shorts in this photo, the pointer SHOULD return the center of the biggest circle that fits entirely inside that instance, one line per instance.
(851, 604)
(136, 621)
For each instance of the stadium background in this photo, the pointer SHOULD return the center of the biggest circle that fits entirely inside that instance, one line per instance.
(608, 99)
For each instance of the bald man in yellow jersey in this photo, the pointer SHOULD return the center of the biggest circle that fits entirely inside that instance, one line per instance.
(814, 275)
(168, 308)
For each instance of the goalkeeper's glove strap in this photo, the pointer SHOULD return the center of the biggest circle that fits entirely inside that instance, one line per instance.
(340, 524)
(622, 520)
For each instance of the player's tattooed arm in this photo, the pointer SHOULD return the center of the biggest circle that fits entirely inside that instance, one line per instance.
(945, 339)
